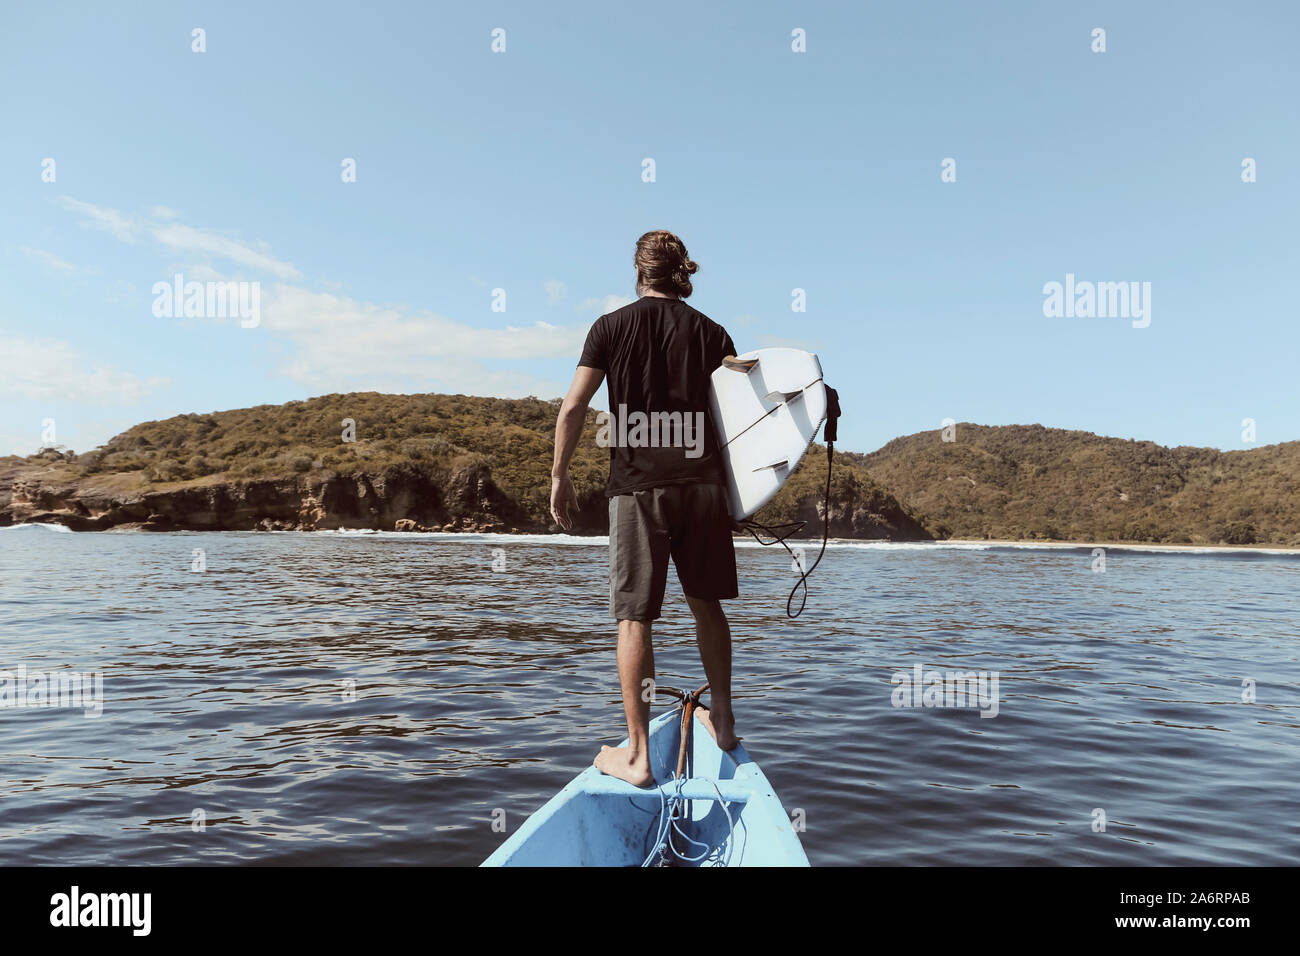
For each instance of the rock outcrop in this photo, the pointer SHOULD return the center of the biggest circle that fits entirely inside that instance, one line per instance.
(397, 499)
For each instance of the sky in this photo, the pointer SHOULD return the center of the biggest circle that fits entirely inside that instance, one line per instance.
(525, 171)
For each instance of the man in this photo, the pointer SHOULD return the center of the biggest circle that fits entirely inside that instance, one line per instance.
(667, 489)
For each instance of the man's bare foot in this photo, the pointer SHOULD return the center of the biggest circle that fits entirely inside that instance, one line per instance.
(722, 729)
(619, 762)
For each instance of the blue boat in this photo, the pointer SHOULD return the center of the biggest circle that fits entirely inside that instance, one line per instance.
(720, 811)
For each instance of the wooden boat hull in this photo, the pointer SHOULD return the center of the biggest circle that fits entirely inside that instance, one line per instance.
(601, 821)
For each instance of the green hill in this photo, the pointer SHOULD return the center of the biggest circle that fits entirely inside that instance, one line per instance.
(1029, 482)
(457, 462)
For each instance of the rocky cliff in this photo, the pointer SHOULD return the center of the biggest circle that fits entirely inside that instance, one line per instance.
(402, 499)
(405, 498)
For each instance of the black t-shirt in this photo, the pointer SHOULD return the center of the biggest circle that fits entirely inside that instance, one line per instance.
(657, 355)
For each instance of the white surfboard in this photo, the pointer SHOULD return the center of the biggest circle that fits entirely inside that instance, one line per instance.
(766, 418)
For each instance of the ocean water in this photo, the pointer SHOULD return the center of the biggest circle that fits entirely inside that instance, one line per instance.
(374, 698)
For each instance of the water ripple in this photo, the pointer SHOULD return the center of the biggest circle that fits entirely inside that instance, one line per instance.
(374, 699)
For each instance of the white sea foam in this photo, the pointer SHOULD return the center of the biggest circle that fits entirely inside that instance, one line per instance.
(472, 536)
(849, 544)
(1085, 545)
(846, 544)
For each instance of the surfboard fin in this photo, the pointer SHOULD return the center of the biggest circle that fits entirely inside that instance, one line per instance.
(779, 463)
(740, 365)
(780, 397)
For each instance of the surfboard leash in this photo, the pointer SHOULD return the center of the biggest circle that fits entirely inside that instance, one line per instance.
(782, 532)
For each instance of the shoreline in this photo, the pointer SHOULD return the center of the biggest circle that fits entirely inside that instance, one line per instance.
(740, 540)
(1127, 545)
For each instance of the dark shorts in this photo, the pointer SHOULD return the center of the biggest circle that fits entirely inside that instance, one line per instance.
(688, 522)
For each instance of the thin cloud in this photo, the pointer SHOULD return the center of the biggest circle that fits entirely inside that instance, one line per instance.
(339, 342)
(101, 217)
(336, 338)
(51, 261)
(54, 369)
(188, 239)
(178, 237)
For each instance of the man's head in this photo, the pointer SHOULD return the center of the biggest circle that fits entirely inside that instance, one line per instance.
(662, 265)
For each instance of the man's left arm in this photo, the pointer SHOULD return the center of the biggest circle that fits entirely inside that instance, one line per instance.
(568, 429)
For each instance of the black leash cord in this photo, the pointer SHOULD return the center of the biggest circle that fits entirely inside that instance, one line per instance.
(783, 532)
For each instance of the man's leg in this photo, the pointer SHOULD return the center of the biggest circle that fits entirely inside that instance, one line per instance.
(638, 570)
(713, 635)
(636, 664)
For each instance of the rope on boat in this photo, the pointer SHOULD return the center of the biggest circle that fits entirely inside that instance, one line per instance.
(670, 809)
(668, 825)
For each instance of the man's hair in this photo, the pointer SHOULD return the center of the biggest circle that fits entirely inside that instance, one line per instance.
(662, 264)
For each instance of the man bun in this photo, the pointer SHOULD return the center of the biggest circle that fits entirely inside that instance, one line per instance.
(663, 264)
